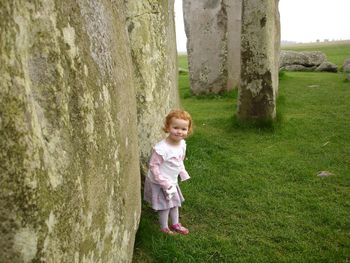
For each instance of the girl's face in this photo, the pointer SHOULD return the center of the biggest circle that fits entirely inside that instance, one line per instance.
(178, 130)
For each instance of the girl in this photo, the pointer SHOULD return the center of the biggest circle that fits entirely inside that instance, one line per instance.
(166, 164)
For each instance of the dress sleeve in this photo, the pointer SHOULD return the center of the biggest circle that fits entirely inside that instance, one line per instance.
(183, 173)
(155, 162)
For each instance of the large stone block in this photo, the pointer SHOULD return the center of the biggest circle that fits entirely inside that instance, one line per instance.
(152, 36)
(234, 22)
(205, 27)
(346, 65)
(213, 44)
(69, 173)
(259, 60)
(304, 58)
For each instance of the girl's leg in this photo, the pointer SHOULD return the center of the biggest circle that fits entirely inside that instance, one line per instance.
(176, 226)
(174, 215)
(163, 218)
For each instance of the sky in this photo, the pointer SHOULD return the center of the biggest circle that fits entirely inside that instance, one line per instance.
(302, 21)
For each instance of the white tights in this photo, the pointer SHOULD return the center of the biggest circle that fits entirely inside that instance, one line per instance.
(164, 215)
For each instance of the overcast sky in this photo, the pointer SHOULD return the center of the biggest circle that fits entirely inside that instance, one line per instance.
(301, 21)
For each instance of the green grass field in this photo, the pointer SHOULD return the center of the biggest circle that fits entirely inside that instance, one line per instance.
(254, 193)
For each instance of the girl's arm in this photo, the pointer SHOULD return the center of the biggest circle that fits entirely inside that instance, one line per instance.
(155, 162)
(183, 173)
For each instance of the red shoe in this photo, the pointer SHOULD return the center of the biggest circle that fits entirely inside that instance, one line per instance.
(178, 228)
(167, 231)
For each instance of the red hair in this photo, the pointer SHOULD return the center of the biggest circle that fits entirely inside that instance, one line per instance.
(178, 114)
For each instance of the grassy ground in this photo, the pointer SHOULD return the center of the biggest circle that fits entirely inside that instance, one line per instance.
(254, 195)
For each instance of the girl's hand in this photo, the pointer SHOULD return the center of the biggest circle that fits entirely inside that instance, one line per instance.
(170, 192)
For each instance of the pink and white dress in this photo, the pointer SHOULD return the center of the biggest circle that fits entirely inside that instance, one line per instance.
(165, 166)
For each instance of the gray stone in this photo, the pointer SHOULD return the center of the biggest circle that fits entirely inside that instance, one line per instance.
(212, 29)
(183, 71)
(234, 22)
(327, 66)
(259, 60)
(304, 58)
(205, 27)
(306, 61)
(70, 182)
(297, 67)
(346, 65)
(152, 35)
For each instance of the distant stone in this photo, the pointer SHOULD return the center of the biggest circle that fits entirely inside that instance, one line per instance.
(348, 77)
(324, 174)
(297, 67)
(305, 58)
(206, 27)
(213, 44)
(346, 65)
(183, 71)
(306, 61)
(313, 86)
(327, 66)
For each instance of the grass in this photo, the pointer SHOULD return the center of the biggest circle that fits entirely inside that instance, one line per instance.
(254, 195)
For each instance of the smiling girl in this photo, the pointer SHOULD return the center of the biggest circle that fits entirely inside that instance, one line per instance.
(162, 190)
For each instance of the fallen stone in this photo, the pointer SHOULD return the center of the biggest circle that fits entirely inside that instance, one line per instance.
(297, 67)
(183, 71)
(327, 66)
(346, 65)
(305, 58)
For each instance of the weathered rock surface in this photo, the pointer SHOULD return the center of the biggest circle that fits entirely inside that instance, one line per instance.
(259, 60)
(234, 22)
(327, 66)
(69, 173)
(346, 65)
(305, 61)
(213, 44)
(152, 35)
(304, 58)
(297, 67)
(205, 27)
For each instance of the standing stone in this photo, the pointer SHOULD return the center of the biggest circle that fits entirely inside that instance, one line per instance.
(151, 30)
(213, 44)
(234, 15)
(69, 173)
(259, 60)
(206, 27)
